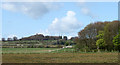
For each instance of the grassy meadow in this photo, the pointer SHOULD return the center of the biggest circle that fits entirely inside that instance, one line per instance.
(27, 50)
(57, 55)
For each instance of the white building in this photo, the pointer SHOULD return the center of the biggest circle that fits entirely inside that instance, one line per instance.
(68, 47)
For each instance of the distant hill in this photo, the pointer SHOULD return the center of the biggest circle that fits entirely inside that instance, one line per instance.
(41, 37)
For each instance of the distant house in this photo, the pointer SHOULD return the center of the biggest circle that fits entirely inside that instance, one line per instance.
(68, 47)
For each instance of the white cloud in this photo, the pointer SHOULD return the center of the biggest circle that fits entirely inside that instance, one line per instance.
(85, 10)
(11, 36)
(34, 10)
(8, 6)
(45, 32)
(88, 12)
(67, 24)
(60, 0)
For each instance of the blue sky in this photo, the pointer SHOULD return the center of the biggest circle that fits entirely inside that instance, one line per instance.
(61, 18)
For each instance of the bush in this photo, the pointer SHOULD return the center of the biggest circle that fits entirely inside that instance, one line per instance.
(59, 46)
(40, 46)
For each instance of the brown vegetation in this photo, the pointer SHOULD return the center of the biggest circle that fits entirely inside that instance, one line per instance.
(61, 58)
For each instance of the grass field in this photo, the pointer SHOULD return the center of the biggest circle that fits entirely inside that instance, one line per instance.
(27, 50)
(42, 55)
(61, 58)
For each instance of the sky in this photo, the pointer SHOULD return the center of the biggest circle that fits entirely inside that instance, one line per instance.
(23, 19)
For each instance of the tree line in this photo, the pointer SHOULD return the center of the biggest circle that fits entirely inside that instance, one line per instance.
(102, 36)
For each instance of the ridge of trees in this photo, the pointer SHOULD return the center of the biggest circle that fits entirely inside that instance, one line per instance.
(99, 35)
(38, 37)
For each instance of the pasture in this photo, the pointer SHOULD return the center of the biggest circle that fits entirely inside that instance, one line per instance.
(42, 55)
(27, 50)
(61, 58)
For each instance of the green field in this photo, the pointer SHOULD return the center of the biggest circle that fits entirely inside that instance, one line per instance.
(27, 50)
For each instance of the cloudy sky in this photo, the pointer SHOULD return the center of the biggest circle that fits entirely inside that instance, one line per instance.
(53, 18)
